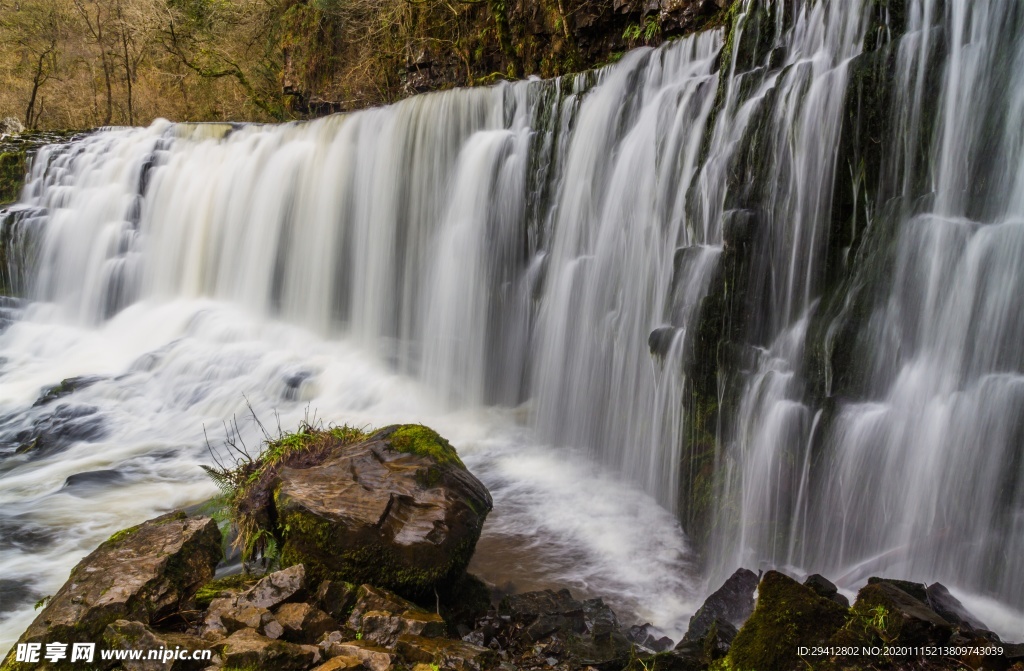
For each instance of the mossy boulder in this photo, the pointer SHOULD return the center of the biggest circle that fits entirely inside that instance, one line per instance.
(146, 574)
(787, 615)
(899, 617)
(398, 510)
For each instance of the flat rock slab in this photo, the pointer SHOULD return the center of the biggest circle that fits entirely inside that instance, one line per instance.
(446, 653)
(248, 649)
(144, 574)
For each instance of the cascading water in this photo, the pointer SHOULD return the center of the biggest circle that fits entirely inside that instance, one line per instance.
(911, 465)
(526, 269)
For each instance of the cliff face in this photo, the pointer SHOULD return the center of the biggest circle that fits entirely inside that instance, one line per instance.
(340, 58)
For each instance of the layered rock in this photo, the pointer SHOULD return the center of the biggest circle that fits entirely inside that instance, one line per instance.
(398, 510)
(146, 574)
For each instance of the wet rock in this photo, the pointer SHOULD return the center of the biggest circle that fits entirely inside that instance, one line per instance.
(718, 640)
(277, 588)
(398, 510)
(13, 595)
(545, 612)
(372, 657)
(447, 654)
(912, 619)
(146, 573)
(370, 598)
(650, 637)
(787, 615)
(733, 602)
(27, 537)
(65, 388)
(949, 608)
(914, 589)
(304, 623)
(336, 597)
(248, 649)
(600, 620)
(81, 483)
(126, 635)
(60, 429)
(384, 629)
(824, 588)
(464, 601)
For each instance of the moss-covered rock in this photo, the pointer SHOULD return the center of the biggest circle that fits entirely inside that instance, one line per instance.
(147, 574)
(788, 615)
(398, 510)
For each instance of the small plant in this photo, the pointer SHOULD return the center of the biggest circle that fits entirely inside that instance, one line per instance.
(246, 484)
(649, 30)
(44, 602)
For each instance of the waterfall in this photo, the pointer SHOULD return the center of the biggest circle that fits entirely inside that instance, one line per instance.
(912, 465)
(787, 253)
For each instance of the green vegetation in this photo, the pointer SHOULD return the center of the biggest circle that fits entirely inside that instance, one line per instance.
(247, 485)
(425, 442)
(87, 63)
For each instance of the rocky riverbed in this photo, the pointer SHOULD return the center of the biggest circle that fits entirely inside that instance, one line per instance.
(368, 535)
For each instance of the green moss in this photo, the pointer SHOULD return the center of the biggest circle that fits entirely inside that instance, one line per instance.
(223, 586)
(787, 615)
(13, 167)
(425, 442)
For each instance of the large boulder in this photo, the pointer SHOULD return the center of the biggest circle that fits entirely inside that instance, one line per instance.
(949, 608)
(733, 602)
(398, 510)
(145, 574)
(904, 619)
(787, 615)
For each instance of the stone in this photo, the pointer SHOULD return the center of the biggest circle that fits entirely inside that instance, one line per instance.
(398, 510)
(11, 126)
(545, 612)
(340, 663)
(915, 623)
(949, 608)
(336, 598)
(649, 637)
(914, 589)
(733, 602)
(125, 635)
(304, 623)
(384, 629)
(600, 620)
(370, 598)
(145, 574)
(372, 657)
(787, 615)
(244, 616)
(246, 648)
(277, 588)
(824, 588)
(446, 653)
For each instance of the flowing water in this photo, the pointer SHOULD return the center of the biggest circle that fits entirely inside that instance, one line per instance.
(523, 268)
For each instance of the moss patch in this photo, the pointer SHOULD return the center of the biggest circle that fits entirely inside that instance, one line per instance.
(222, 587)
(424, 442)
(787, 615)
